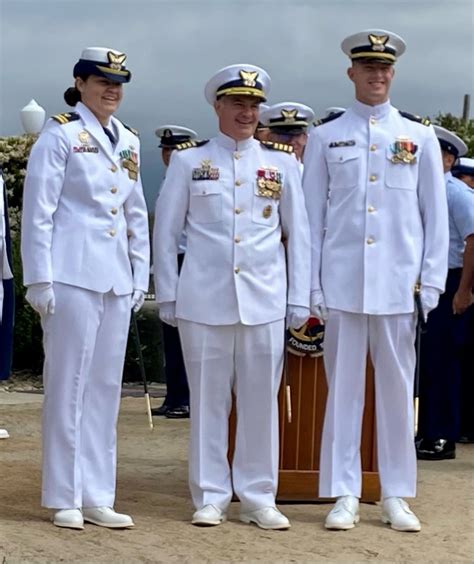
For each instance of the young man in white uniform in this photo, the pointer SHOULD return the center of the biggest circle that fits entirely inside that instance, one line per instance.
(374, 178)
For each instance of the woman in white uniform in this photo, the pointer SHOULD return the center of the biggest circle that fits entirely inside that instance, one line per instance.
(85, 253)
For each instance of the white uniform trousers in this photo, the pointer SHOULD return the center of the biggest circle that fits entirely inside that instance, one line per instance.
(84, 344)
(390, 340)
(249, 361)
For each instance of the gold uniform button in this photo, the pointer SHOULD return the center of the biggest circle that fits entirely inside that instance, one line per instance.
(114, 190)
(370, 241)
(114, 211)
(238, 210)
(236, 269)
(113, 168)
(112, 232)
(237, 239)
(238, 182)
(373, 147)
(373, 177)
(371, 209)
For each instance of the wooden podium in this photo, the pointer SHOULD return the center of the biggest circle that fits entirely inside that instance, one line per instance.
(300, 440)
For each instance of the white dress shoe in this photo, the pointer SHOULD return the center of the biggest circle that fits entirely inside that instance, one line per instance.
(266, 518)
(107, 517)
(69, 518)
(4, 434)
(344, 514)
(209, 516)
(397, 513)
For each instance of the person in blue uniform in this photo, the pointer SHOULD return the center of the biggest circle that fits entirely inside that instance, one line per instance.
(442, 345)
(374, 189)
(6, 292)
(176, 403)
(85, 251)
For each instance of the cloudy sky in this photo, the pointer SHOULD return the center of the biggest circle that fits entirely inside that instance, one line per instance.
(174, 46)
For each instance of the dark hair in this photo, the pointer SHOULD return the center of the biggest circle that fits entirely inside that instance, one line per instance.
(72, 96)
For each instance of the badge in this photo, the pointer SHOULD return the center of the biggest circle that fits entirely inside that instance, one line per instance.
(130, 163)
(84, 139)
(269, 182)
(307, 340)
(378, 42)
(349, 143)
(403, 151)
(267, 211)
(206, 171)
(289, 115)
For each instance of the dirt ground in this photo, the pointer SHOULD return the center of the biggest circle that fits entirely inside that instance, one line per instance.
(152, 487)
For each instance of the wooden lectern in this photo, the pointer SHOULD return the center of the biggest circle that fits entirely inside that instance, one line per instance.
(300, 440)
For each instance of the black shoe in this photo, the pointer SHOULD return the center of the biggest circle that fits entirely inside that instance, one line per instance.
(440, 449)
(163, 410)
(179, 412)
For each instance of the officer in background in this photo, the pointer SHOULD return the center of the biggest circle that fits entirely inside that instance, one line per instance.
(446, 330)
(261, 131)
(374, 176)
(85, 251)
(235, 197)
(176, 404)
(6, 292)
(464, 170)
(288, 123)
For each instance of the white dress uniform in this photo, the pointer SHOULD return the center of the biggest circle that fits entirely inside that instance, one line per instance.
(5, 270)
(85, 230)
(231, 300)
(386, 228)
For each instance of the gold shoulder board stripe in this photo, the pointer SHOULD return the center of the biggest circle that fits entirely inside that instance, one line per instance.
(65, 118)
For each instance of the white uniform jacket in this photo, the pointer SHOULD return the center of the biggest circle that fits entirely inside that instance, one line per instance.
(234, 268)
(386, 222)
(85, 221)
(5, 269)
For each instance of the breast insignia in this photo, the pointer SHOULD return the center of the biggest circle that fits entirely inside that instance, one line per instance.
(66, 118)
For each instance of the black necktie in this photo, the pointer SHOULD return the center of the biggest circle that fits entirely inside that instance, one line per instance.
(110, 136)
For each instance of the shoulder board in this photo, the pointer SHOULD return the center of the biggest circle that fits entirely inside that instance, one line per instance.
(191, 144)
(277, 146)
(413, 117)
(131, 129)
(327, 119)
(66, 118)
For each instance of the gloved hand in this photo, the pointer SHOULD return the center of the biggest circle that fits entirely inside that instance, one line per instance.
(168, 313)
(41, 297)
(296, 316)
(318, 305)
(429, 299)
(138, 297)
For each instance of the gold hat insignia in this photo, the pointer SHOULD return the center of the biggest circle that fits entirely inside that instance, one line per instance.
(289, 115)
(249, 77)
(116, 61)
(378, 42)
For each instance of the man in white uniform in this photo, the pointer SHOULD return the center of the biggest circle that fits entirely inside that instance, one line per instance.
(236, 198)
(374, 178)
(85, 251)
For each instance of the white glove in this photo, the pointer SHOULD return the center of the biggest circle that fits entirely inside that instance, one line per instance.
(429, 299)
(41, 297)
(318, 305)
(138, 297)
(168, 313)
(296, 316)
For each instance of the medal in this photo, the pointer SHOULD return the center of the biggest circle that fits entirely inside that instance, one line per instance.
(403, 151)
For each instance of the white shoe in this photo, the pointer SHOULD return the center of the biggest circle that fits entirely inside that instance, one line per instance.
(209, 516)
(69, 518)
(4, 434)
(344, 514)
(397, 513)
(266, 518)
(107, 517)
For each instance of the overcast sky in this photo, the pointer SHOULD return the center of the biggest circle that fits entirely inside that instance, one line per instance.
(174, 46)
